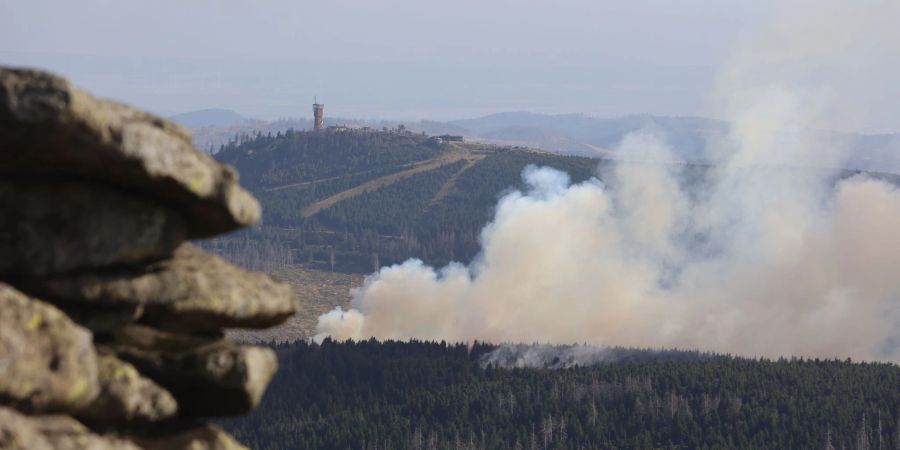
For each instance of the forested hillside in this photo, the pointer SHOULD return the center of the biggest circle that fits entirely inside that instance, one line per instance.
(269, 161)
(355, 200)
(360, 199)
(416, 395)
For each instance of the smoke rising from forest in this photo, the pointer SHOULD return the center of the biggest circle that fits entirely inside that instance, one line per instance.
(765, 255)
(547, 356)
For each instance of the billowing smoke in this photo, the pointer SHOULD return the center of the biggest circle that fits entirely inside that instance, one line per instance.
(766, 254)
(546, 356)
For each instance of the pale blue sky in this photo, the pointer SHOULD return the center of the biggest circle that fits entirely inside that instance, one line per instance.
(395, 59)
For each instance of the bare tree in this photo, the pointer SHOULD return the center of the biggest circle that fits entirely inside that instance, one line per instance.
(416, 441)
(532, 441)
(259, 255)
(828, 444)
(862, 437)
(563, 432)
(547, 430)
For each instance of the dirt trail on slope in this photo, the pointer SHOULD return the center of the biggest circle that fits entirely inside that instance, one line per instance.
(451, 183)
(307, 183)
(381, 182)
(338, 177)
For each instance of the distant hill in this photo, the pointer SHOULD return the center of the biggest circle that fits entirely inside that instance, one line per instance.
(584, 135)
(376, 198)
(687, 136)
(214, 137)
(362, 199)
(213, 117)
(573, 134)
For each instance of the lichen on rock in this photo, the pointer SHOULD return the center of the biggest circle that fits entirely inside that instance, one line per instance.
(190, 291)
(215, 377)
(127, 396)
(47, 362)
(53, 432)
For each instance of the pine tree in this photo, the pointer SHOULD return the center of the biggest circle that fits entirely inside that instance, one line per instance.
(532, 441)
(547, 430)
(563, 433)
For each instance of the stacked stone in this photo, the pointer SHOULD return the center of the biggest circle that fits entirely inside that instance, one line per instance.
(111, 324)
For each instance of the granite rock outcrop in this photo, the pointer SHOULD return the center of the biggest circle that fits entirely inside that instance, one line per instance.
(112, 325)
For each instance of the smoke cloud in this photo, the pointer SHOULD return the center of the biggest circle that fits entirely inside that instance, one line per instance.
(546, 356)
(764, 255)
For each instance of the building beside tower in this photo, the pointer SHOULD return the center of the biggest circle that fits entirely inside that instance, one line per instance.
(318, 116)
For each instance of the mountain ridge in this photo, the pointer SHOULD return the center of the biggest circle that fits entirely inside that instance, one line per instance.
(211, 117)
(580, 134)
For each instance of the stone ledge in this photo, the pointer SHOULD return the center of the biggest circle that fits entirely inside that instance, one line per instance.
(48, 126)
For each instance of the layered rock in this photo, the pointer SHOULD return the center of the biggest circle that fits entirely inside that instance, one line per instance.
(111, 324)
(50, 127)
(126, 396)
(211, 376)
(66, 226)
(191, 291)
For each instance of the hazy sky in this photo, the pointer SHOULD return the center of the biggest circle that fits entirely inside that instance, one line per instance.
(403, 59)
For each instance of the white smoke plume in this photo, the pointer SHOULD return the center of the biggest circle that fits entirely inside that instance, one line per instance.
(766, 256)
(546, 356)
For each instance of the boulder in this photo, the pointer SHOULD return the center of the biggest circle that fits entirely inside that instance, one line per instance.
(47, 362)
(197, 437)
(58, 226)
(192, 291)
(49, 127)
(21, 432)
(211, 378)
(109, 321)
(127, 397)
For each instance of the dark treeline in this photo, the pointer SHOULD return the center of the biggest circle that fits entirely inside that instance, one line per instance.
(420, 395)
(269, 161)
